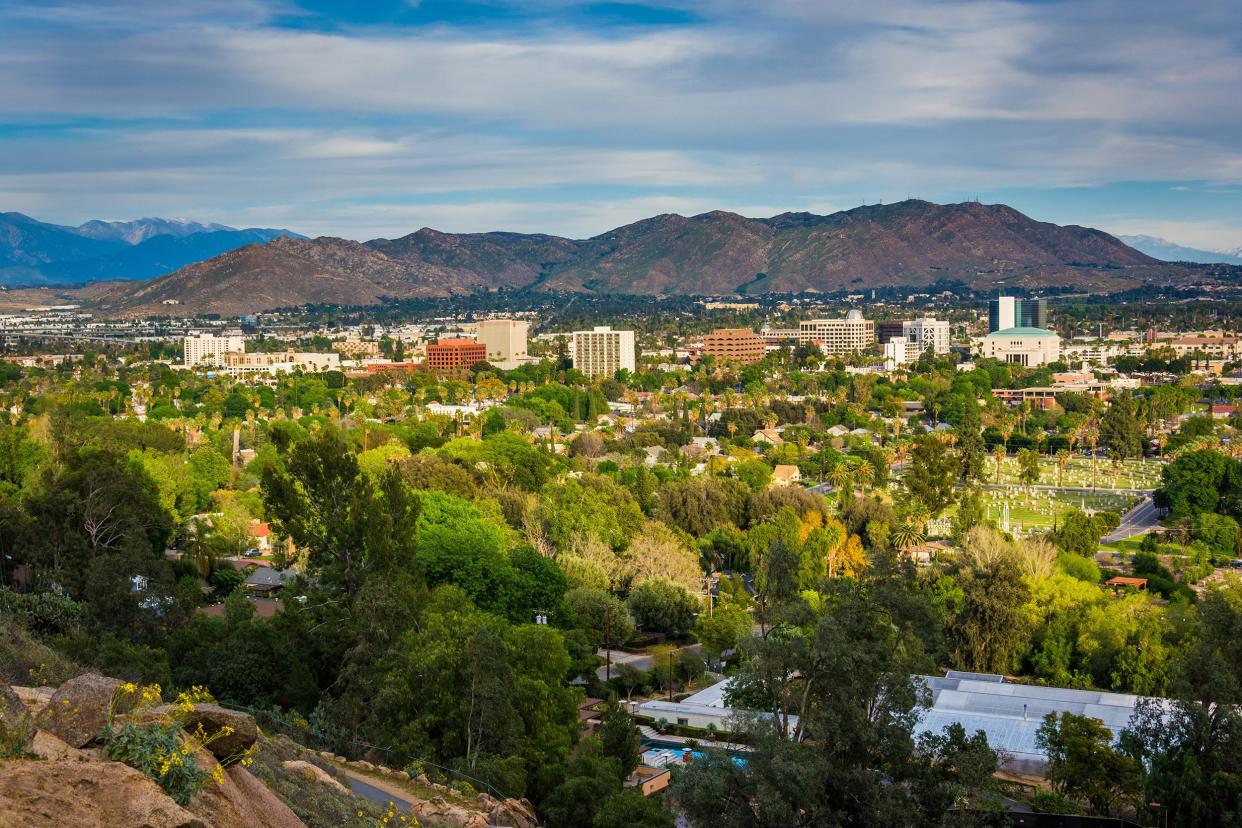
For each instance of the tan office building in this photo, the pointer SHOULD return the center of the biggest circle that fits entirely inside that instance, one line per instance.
(838, 336)
(505, 340)
(734, 344)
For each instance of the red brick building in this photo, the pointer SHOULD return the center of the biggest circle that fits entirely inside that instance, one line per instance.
(450, 356)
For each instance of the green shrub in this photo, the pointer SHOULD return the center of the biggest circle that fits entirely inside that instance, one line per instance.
(156, 750)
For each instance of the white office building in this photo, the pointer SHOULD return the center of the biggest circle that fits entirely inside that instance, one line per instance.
(898, 351)
(925, 333)
(209, 349)
(505, 340)
(1030, 347)
(601, 351)
(838, 336)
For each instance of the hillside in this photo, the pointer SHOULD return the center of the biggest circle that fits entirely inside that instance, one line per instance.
(1168, 251)
(912, 243)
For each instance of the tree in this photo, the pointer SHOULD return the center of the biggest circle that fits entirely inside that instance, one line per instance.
(932, 474)
(1082, 763)
(991, 628)
(601, 614)
(1200, 481)
(628, 808)
(619, 738)
(722, 628)
(659, 550)
(663, 606)
(1028, 466)
(1120, 429)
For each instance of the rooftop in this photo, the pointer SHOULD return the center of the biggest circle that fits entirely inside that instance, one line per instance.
(1008, 332)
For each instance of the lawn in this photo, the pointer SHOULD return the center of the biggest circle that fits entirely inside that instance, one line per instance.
(1032, 511)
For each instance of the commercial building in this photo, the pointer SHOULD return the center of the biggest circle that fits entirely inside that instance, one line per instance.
(838, 336)
(449, 356)
(209, 349)
(735, 344)
(601, 351)
(926, 332)
(1030, 347)
(898, 351)
(238, 364)
(891, 329)
(1010, 312)
(504, 341)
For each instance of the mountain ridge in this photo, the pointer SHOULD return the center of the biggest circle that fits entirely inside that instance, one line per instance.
(910, 243)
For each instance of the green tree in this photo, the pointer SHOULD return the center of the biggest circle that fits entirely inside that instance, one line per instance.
(619, 738)
(991, 628)
(1083, 765)
(932, 474)
(663, 606)
(1120, 429)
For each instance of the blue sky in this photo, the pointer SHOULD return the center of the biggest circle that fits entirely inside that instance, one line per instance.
(364, 119)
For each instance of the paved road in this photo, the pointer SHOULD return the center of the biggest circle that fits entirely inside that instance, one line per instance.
(369, 790)
(1137, 521)
(636, 660)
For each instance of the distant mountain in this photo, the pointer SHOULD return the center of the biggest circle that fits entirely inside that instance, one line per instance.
(1167, 251)
(912, 243)
(139, 230)
(33, 252)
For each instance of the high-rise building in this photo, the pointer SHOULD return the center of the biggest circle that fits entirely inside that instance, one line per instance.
(838, 336)
(925, 333)
(505, 341)
(736, 344)
(450, 356)
(209, 349)
(886, 331)
(601, 351)
(1010, 312)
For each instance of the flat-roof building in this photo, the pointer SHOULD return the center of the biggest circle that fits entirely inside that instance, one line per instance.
(735, 344)
(1030, 347)
(838, 336)
(504, 341)
(449, 356)
(209, 349)
(601, 351)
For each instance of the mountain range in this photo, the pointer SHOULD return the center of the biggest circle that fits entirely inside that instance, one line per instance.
(911, 243)
(36, 252)
(1168, 251)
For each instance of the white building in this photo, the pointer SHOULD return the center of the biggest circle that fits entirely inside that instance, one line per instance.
(505, 340)
(1030, 347)
(601, 351)
(838, 336)
(898, 351)
(209, 349)
(926, 332)
(238, 364)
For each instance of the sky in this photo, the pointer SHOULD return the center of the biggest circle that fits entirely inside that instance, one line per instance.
(376, 118)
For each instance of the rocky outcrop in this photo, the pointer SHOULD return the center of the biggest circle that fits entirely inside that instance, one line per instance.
(42, 794)
(242, 801)
(513, 813)
(214, 719)
(48, 746)
(78, 711)
(437, 809)
(314, 773)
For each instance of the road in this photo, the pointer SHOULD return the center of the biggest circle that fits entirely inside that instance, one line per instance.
(636, 660)
(373, 790)
(1137, 521)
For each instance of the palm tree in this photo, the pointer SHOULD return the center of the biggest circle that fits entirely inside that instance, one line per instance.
(908, 535)
(998, 454)
(865, 475)
(1063, 458)
(1091, 436)
(841, 475)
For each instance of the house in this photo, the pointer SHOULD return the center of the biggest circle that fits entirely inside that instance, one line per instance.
(838, 431)
(261, 534)
(649, 780)
(786, 475)
(263, 580)
(768, 435)
(655, 455)
(1122, 583)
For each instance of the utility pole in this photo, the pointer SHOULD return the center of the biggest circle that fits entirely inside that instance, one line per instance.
(670, 675)
(607, 644)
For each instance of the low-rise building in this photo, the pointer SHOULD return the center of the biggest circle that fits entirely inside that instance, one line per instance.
(239, 364)
(449, 356)
(1029, 347)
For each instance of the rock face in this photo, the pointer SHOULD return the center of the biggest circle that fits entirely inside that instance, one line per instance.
(437, 809)
(53, 748)
(34, 794)
(513, 813)
(78, 711)
(242, 802)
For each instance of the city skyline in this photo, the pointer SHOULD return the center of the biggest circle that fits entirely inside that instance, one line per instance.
(573, 118)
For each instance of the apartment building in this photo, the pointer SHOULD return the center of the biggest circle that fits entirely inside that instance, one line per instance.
(601, 351)
(209, 349)
(838, 336)
(734, 344)
(449, 356)
(504, 341)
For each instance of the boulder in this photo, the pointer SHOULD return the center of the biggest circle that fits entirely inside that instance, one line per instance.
(35, 698)
(437, 809)
(402, 775)
(242, 801)
(48, 746)
(314, 772)
(78, 711)
(362, 765)
(214, 718)
(513, 813)
(43, 794)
